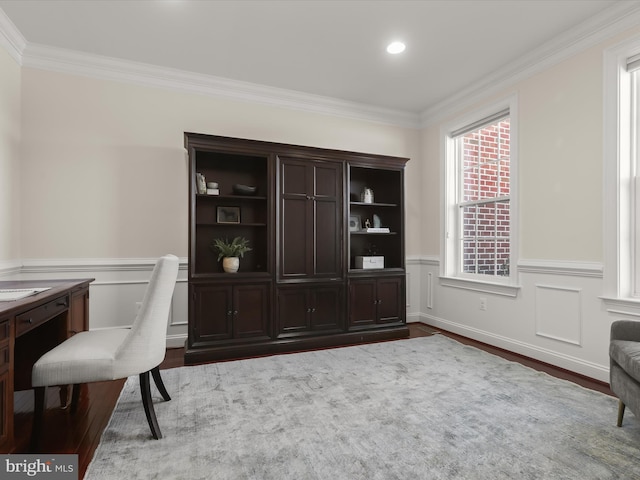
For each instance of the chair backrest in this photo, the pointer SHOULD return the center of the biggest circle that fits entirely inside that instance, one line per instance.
(146, 344)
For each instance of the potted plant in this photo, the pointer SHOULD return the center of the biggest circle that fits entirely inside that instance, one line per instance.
(230, 252)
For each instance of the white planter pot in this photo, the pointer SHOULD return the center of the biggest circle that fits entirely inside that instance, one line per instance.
(230, 264)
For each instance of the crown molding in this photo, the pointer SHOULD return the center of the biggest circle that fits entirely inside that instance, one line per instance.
(107, 68)
(622, 16)
(613, 21)
(11, 38)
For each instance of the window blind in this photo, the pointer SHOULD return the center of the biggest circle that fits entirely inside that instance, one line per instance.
(485, 121)
(633, 63)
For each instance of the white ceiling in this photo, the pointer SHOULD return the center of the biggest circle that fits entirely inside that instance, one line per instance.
(328, 48)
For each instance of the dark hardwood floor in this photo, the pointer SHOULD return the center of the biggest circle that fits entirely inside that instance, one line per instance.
(81, 432)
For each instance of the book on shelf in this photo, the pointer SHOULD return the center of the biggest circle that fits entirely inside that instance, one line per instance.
(377, 230)
(213, 191)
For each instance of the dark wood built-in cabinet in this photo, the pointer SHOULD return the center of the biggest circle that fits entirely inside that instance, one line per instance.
(301, 286)
(376, 301)
(230, 312)
(310, 309)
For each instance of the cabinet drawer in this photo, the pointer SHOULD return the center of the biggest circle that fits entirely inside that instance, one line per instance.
(31, 319)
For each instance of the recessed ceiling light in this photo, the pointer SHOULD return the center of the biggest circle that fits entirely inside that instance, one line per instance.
(396, 47)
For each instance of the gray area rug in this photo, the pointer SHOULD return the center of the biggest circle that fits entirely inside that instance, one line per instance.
(424, 408)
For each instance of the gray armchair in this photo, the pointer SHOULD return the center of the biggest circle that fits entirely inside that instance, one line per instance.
(624, 373)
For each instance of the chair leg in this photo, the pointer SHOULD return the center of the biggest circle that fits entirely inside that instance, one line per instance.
(75, 397)
(160, 384)
(145, 390)
(40, 395)
(621, 407)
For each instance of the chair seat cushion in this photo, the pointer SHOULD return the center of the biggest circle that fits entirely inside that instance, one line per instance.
(85, 357)
(626, 354)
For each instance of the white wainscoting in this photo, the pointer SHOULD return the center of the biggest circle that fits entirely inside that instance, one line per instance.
(558, 315)
(116, 292)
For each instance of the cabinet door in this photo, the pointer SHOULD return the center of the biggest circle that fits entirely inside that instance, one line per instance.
(295, 224)
(212, 314)
(251, 311)
(389, 300)
(327, 228)
(293, 311)
(376, 301)
(326, 308)
(310, 219)
(362, 302)
(309, 310)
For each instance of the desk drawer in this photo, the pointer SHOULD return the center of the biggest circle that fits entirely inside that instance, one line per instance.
(31, 319)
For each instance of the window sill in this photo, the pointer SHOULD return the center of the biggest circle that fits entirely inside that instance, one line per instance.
(503, 289)
(622, 305)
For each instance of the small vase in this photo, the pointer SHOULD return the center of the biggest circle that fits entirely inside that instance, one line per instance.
(230, 264)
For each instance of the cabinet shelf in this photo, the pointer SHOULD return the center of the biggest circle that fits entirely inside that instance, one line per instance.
(231, 197)
(375, 204)
(358, 272)
(373, 233)
(214, 224)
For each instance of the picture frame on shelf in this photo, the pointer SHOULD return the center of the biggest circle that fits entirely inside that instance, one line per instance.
(226, 214)
(355, 223)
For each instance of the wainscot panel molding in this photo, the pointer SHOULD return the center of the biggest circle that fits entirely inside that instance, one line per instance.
(557, 316)
(570, 268)
(117, 291)
(559, 313)
(433, 260)
(509, 322)
(10, 267)
(568, 362)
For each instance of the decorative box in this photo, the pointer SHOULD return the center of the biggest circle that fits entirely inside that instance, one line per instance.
(370, 262)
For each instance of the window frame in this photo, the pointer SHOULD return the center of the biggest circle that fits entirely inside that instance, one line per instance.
(450, 267)
(622, 187)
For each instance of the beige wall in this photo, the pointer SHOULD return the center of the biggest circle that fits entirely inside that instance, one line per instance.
(106, 170)
(9, 159)
(103, 174)
(560, 160)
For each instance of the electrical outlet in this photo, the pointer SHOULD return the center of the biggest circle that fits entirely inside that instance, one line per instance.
(483, 303)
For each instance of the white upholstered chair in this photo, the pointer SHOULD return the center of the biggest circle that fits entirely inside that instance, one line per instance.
(100, 355)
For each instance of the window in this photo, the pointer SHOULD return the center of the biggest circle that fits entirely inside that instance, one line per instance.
(633, 137)
(482, 157)
(479, 170)
(622, 172)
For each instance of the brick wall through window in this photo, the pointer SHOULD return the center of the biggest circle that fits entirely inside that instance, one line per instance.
(483, 202)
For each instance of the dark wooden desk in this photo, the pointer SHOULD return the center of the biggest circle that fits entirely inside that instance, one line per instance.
(29, 328)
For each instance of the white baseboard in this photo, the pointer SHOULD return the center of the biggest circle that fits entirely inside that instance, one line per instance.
(582, 367)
